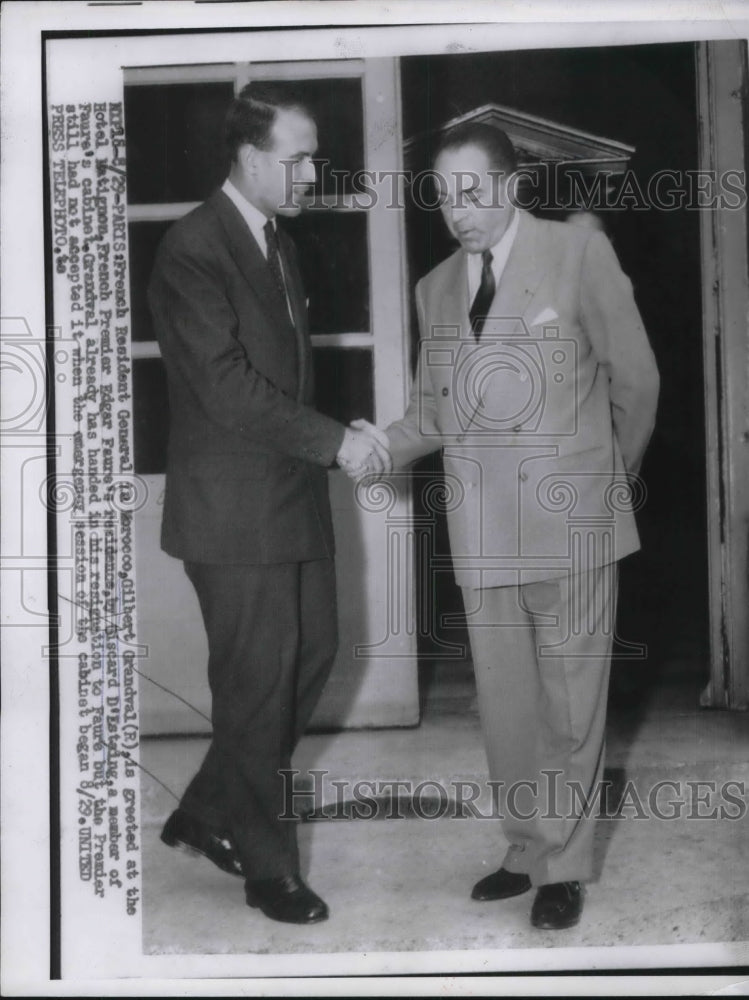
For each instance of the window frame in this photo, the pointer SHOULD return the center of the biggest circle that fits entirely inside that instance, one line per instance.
(241, 74)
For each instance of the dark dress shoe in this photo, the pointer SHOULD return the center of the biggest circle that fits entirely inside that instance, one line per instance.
(501, 885)
(287, 899)
(181, 830)
(557, 906)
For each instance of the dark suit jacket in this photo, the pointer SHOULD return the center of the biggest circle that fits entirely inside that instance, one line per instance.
(245, 480)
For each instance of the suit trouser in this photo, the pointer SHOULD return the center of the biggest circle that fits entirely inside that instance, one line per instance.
(542, 653)
(272, 638)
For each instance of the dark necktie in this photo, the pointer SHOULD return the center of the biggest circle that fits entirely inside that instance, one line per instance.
(274, 256)
(484, 296)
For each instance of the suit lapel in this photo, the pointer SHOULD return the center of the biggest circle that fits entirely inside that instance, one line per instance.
(523, 273)
(251, 262)
(295, 290)
(520, 280)
(453, 308)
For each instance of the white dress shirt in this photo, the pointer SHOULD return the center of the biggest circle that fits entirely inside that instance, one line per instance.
(500, 253)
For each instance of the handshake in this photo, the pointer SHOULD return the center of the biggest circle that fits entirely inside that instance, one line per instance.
(365, 450)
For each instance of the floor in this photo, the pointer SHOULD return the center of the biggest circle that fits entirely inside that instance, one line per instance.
(401, 884)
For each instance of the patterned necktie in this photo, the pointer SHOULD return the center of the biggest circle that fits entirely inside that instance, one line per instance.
(274, 256)
(484, 296)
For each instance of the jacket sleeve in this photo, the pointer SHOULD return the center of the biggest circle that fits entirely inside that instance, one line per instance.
(197, 331)
(416, 433)
(616, 332)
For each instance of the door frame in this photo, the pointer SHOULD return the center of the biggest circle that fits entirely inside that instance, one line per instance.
(721, 104)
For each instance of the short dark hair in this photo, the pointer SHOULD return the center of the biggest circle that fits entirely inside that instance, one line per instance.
(495, 143)
(252, 113)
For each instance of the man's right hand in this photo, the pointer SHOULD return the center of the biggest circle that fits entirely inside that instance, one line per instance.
(363, 451)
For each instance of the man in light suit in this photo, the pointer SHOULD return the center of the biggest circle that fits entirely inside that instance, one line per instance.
(246, 505)
(536, 378)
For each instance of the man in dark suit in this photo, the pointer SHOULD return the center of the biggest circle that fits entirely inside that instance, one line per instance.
(246, 504)
(536, 377)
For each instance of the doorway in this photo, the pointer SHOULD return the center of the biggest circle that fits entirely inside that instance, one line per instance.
(645, 97)
(640, 97)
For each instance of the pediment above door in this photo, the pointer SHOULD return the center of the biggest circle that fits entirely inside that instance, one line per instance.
(537, 140)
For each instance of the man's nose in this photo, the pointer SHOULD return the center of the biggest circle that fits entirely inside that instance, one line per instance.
(308, 171)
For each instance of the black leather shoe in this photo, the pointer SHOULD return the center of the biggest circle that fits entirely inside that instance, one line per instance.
(501, 885)
(557, 906)
(181, 830)
(287, 899)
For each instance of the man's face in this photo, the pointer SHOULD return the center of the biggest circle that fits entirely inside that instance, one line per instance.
(474, 198)
(281, 172)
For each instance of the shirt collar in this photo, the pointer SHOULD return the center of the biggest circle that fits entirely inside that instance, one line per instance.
(255, 219)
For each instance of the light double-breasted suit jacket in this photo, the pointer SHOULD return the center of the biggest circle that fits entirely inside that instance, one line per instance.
(245, 478)
(544, 422)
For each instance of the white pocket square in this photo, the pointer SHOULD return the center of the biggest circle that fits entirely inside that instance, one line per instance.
(545, 316)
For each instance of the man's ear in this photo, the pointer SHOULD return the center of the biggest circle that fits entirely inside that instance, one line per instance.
(247, 157)
(501, 188)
